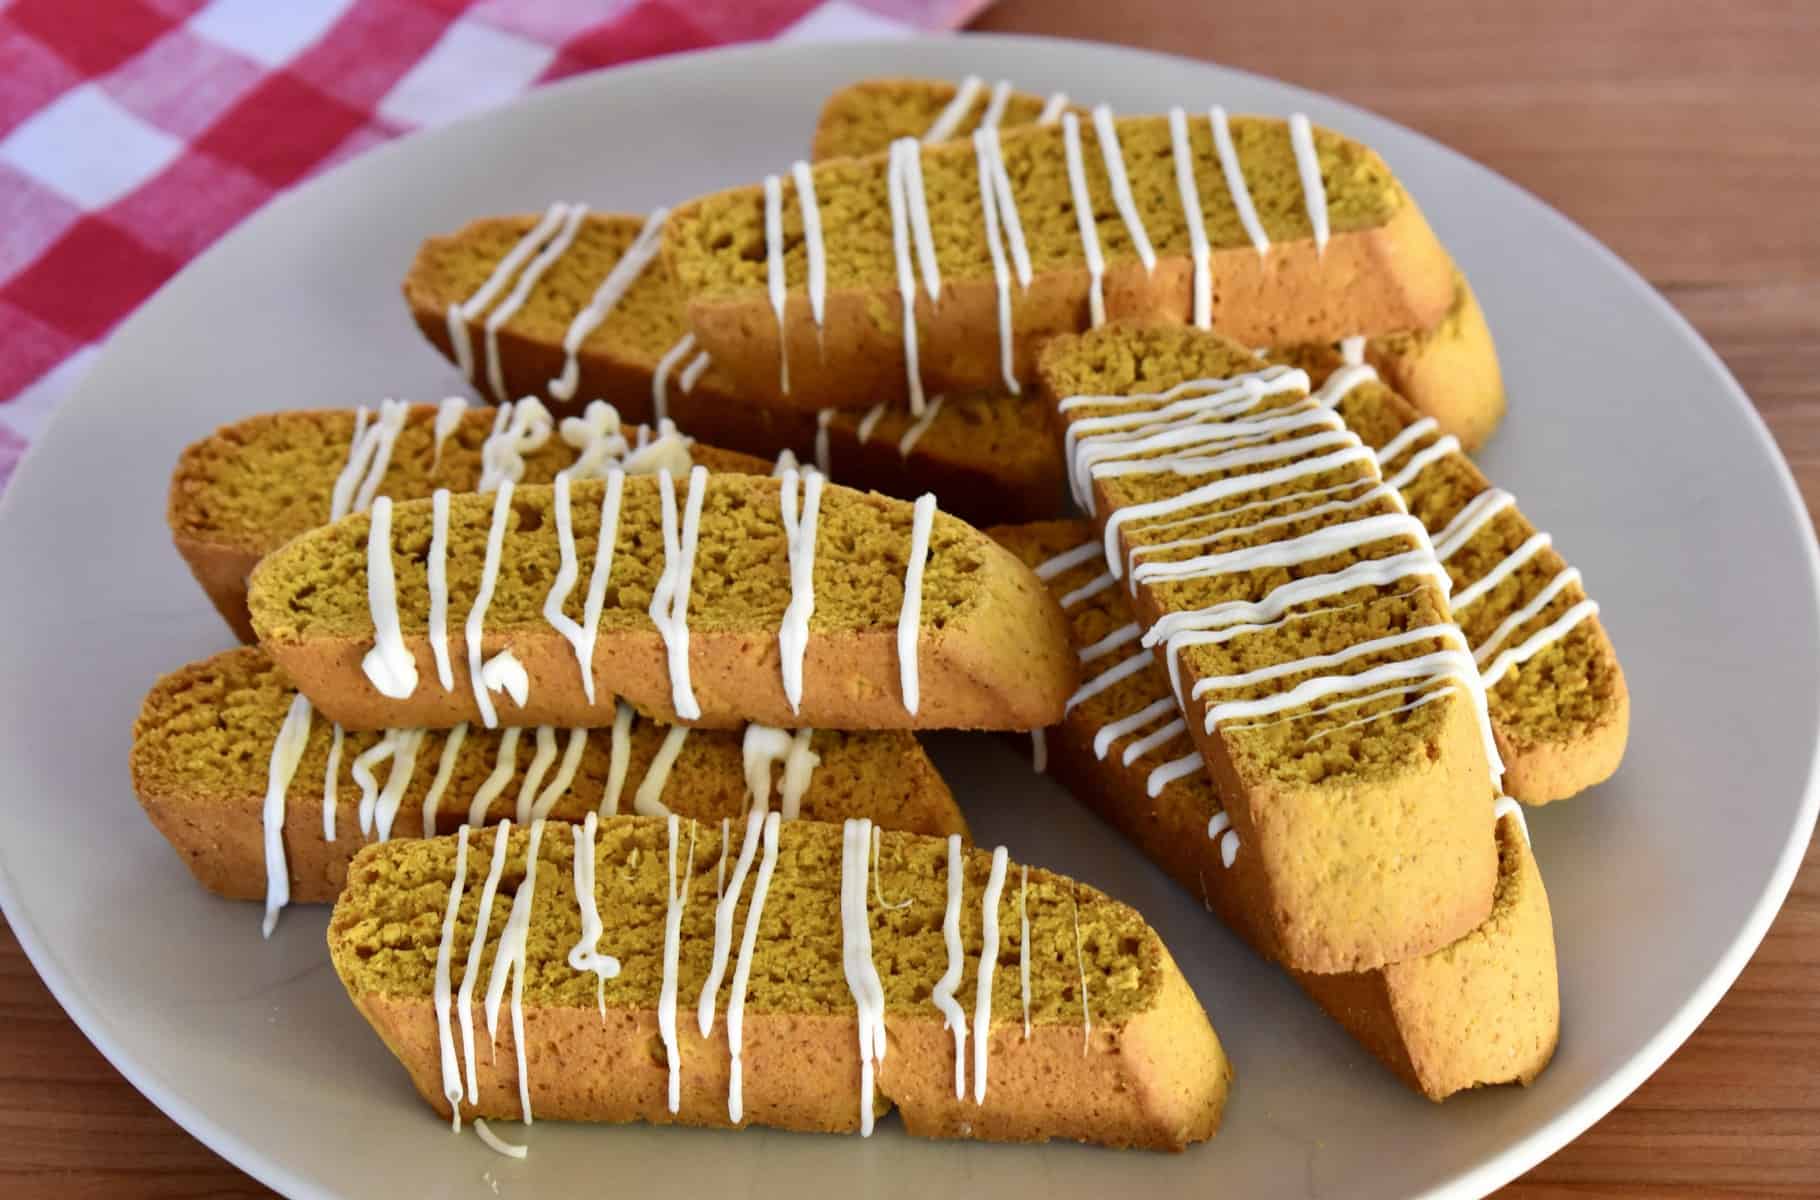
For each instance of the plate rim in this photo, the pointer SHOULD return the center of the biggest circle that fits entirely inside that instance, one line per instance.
(1480, 1179)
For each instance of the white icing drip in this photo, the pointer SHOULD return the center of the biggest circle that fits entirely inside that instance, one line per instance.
(439, 783)
(856, 958)
(1088, 590)
(1316, 544)
(1352, 350)
(459, 315)
(1067, 560)
(586, 951)
(404, 765)
(669, 609)
(660, 376)
(984, 143)
(867, 423)
(607, 296)
(909, 223)
(647, 800)
(619, 760)
(1447, 634)
(389, 665)
(878, 889)
(1114, 158)
(505, 764)
(1153, 740)
(287, 751)
(953, 1018)
(497, 1144)
(509, 958)
(774, 273)
(917, 428)
(988, 963)
(384, 437)
(1052, 108)
(581, 637)
(723, 919)
(910, 616)
(799, 767)
(341, 496)
(1235, 179)
(438, 568)
(1219, 823)
(1148, 715)
(813, 249)
(917, 203)
(1023, 946)
(1469, 520)
(1407, 437)
(1084, 220)
(1198, 249)
(560, 783)
(1439, 692)
(441, 990)
(597, 438)
(1340, 384)
(362, 771)
(949, 119)
(1510, 624)
(1377, 495)
(1124, 669)
(1039, 751)
(520, 429)
(995, 107)
(666, 996)
(470, 975)
(762, 746)
(331, 793)
(742, 968)
(504, 673)
(786, 461)
(823, 455)
(1308, 166)
(1124, 635)
(1422, 459)
(1506, 807)
(1538, 641)
(692, 373)
(521, 291)
(1080, 959)
(799, 534)
(477, 615)
(1194, 424)
(1532, 546)
(1171, 771)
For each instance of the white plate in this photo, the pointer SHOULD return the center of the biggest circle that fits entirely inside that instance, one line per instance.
(1626, 437)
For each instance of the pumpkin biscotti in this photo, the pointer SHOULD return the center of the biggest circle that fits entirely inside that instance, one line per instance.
(604, 317)
(1482, 1010)
(205, 737)
(1302, 616)
(250, 487)
(717, 600)
(942, 267)
(1448, 370)
(839, 972)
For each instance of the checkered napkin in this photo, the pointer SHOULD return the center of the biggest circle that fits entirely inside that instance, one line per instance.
(135, 132)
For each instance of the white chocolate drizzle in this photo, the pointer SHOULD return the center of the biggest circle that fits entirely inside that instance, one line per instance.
(910, 229)
(1052, 108)
(1352, 351)
(814, 253)
(519, 429)
(856, 958)
(341, 495)
(742, 968)
(646, 801)
(666, 997)
(1198, 249)
(1067, 560)
(723, 918)
(799, 533)
(441, 989)
(1080, 960)
(459, 315)
(497, 1144)
(823, 454)
(1023, 944)
(867, 423)
(1083, 217)
(438, 572)
(619, 758)
(917, 428)
(483, 920)
(1235, 180)
(669, 609)
(953, 1019)
(909, 617)
(607, 296)
(389, 665)
(660, 375)
(995, 106)
(505, 765)
(331, 791)
(560, 782)
(287, 751)
(521, 291)
(988, 963)
(692, 373)
(774, 273)
(509, 958)
(1114, 158)
(950, 118)
(439, 782)
(1308, 166)
(504, 673)
(1004, 233)
(1219, 827)
(581, 637)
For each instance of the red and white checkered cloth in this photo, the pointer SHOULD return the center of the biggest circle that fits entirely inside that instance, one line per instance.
(135, 132)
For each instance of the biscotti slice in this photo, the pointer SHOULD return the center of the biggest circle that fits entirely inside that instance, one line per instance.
(838, 972)
(206, 735)
(1449, 370)
(1303, 618)
(941, 267)
(1556, 693)
(568, 341)
(722, 599)
(1483, 1010)
(250, 487)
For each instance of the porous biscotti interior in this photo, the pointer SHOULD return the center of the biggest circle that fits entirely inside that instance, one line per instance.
(868, 116)
(260, 482)
(648, 321)
(1301, 744)
(717, 244)
(387, 927)
(1566, 688)
(206, 731)
(317, 585)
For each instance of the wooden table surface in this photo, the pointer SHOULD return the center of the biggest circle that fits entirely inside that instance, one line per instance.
(1686, 137)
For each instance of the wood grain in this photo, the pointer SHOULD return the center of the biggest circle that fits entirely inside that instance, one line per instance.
(1685, 136)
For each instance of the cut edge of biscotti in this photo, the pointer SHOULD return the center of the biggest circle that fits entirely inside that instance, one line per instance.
(981, 303)
(716, 607)
(207, 734)
(828, 941)
(636, 349)
(1448, 370)
(1322, 679)
(1483, 1010)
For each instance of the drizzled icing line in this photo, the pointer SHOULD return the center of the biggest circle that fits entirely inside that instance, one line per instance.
(1308, 166)
(999, 209)
(581, 637)
(607, 296)
(458, 315)
(389, 665)
(440, 991)
(856, 959)
(742, 970)
(723, 919)
(949, 119)
(1235, 179)
(774, 272)
(813, 250)
(953, 1019)
(509, 959)
(909, 618)
(988, 963)
(287, 751)
(660, 375)
(799, 534)
(1191, 210)
(1114, 158)
(1083, 217)
(521, 291)
(666, 998)
(669, 609)
(904, 191)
